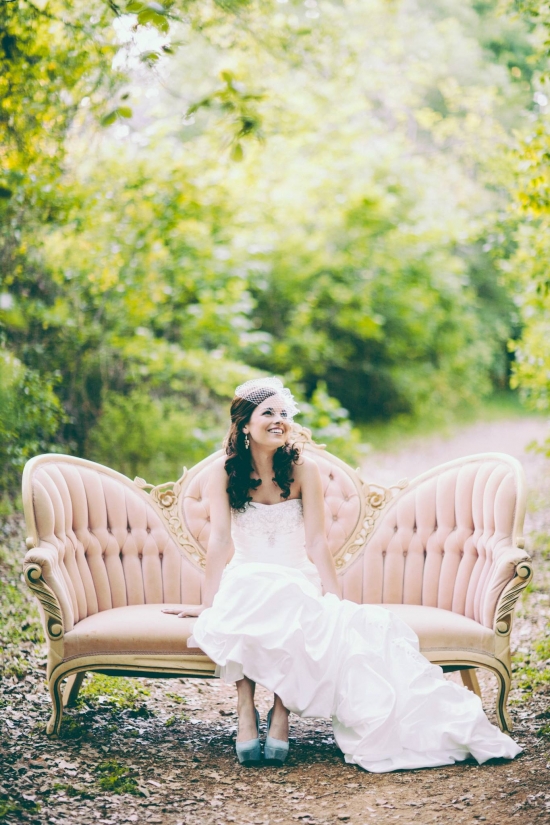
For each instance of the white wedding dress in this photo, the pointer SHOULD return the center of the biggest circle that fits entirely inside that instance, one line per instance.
(358, 665)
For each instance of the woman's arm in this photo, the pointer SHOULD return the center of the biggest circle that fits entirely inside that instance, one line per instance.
(219, 544)
(314, 522)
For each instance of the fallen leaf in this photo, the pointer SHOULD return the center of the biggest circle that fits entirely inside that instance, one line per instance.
(71, 766)
(38, 765)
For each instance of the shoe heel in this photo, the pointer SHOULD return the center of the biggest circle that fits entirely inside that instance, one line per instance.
(250, 752)
(275, 750)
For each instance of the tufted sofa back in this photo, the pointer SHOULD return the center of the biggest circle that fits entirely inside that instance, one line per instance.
(434, 542)
(342, 488)
(444, 540)
(437, 541)
(112, 548)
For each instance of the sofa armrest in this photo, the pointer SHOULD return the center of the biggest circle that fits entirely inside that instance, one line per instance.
(512, 573)
(44, 578)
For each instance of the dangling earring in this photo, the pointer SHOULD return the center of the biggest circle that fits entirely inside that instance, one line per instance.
(246, 441)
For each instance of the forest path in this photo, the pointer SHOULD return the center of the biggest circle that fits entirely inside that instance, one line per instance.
(168, 757)
(410, 457)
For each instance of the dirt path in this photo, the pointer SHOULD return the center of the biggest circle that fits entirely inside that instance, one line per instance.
(410, 458)
(149, 751)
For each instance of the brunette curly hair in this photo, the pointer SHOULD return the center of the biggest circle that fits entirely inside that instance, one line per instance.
(238, 464)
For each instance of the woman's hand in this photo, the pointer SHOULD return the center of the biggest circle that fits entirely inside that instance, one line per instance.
(185, 611)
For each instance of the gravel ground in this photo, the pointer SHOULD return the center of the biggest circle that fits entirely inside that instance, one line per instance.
(162, 752)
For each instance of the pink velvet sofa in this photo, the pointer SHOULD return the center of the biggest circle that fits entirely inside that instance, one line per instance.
(443, 551)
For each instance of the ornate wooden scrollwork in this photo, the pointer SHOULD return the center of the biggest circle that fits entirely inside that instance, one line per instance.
(509, 597)
(165, 497)
(48, 600)
(375, 498)
(302, 436)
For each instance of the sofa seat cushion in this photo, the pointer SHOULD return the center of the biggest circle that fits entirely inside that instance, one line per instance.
(443, 630)
(142, 629)
(145, 629)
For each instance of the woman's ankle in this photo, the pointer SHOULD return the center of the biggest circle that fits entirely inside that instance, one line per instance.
(247, 727)
(246, 707)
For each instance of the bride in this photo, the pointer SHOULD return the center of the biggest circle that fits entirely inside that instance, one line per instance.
(264, 618)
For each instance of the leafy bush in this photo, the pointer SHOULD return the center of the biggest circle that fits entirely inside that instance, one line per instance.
(30, 417)
(141, 435)
(351, 247)
(150, 437)
(330, 424)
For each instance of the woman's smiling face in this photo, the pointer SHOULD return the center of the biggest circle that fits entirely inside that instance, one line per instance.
(270, 423)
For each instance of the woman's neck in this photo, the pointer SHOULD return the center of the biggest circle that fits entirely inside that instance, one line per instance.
(262, 461)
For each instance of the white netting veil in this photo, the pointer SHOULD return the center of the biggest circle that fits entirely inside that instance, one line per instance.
(258, 389)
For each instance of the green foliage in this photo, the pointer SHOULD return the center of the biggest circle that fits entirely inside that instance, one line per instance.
(113, 691)
(55, 61)
(355, 248)
(528, 268)
(532, 669)
(72, 790)
(73, 727)
(30, 416)
(237, 104)
(330, 424)
(25, 807)
(176, 697)
(116, 778)
(154, 439)
(20, 622)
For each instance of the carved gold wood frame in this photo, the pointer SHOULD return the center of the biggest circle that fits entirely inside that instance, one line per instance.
(168, 498)
(165, 498)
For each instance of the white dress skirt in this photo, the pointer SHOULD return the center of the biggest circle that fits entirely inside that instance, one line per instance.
(358, 665)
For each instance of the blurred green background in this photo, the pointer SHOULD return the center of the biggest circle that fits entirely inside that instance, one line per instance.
(352, 195)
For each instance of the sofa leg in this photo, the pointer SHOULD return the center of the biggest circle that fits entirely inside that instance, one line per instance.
(469, 680)
(503, 717)
(53, 726)
(72, 687)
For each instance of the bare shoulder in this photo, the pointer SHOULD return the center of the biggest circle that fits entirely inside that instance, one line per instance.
(218, 466)
(306, 469)
(311, 488)
(217, 477)
(220, 512)
(308, 464)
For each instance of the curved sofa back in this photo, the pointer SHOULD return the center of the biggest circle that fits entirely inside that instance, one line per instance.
(442, 541)
(113, 548)
(433, 541)
(343, 492)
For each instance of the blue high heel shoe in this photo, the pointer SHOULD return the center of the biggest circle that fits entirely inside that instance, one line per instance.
(250, 752)
(275, 750)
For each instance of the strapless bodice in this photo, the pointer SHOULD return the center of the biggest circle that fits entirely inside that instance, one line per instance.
(272, 534)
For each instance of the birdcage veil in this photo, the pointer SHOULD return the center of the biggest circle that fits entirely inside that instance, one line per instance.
(258, 389)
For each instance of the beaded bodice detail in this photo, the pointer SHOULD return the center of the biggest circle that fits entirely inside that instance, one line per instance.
(272, 534)
(270, 520)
